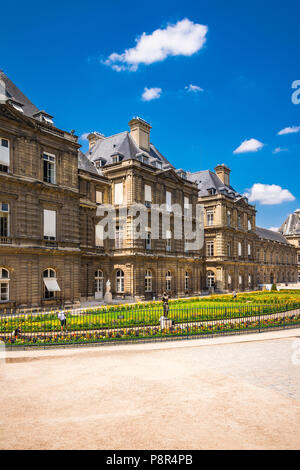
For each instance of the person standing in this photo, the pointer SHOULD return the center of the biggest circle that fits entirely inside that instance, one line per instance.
(63, 320)
(165, 300)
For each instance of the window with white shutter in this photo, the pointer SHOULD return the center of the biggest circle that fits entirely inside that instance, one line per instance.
(118, 193)
(148, 193)
(49, 224)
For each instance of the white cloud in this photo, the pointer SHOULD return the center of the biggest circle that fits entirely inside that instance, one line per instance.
(274, 229)
(183, 38)
(151, 94)
(269, 194)
(84, 136)
(193, 88)
(279, 150)
(289, 130)
(251, 145)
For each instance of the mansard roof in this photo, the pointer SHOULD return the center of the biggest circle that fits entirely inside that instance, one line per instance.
(271, 235)
(292, 224)
(207, 180)
(124, 145)
(13, 93)
(85, 164)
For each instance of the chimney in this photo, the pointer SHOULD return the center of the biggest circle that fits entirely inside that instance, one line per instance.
(93, 137)
(223, 172)
(140, 132)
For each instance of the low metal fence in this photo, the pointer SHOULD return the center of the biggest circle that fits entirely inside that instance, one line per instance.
(142, 323)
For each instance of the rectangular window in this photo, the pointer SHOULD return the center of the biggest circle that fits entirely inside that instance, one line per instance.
(4, 155)
(186, 202)
(4, 220)
(99, 236)
(169, 240)
(49, 224)
(239, 249)
(210, 218)
(49, 168)
(228, 249)
(118, 193)
(4, 291)
(168, 201)
(210, 249)
(148, 193)
(119, 237)
(148, 240)
(99, 197)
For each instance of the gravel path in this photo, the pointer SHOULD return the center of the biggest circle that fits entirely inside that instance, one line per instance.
(225, 393)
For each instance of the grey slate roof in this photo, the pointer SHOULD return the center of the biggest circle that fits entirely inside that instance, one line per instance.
(86, 165)
(12, 92)
(270, 235)
(292, 224)
(209, 180)
(124, 145)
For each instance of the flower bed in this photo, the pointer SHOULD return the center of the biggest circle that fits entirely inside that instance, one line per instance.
(132, 334)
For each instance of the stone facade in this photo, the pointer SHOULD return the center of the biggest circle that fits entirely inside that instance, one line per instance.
(291, 231)
(50, 251)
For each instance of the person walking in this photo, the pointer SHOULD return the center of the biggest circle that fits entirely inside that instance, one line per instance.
(234, 294)
(165, 300)
(63, 320)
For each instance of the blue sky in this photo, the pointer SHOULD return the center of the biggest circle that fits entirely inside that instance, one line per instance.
(58, 54)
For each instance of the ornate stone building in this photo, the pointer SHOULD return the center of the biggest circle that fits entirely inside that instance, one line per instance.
(291, 231)
(52, 251)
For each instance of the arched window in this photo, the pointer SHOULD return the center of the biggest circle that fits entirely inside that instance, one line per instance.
(148, 280)
(50, 283)
(168, 280)
(99, 283)
(4, 285)
(186, 281)
(210, 279)
(120, 281)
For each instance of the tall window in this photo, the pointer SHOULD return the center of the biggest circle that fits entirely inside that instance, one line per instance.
(120, 281)
(49, 168)
(4, 155)
(99, 235)
(119, 237)
(4, 220)
(249, 225)
(228, 218)
(99, 281)
(50, 284)
(99, 197)
(239, 249)
(240, 279)
(49, 224)
(118, 193)
(148, 239)
(249, 249)
(229, 280)
(168, 281)
(148, 281)
(148, 193)
(229, 249)
(249, 279)
(210, 279)
(168, 201)
(210, 217)
(210, 248)
(4, 285)
(239, 221)
(169, 240)
(186, 281)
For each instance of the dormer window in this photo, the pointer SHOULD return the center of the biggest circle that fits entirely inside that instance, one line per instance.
(44, 117)
(182, 175)
(144, 159)
(211, 191)
(99, 163)
(17, 106)
(117, 158)
(159, 165)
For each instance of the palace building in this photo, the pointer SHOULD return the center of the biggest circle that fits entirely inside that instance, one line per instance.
(291, 231)
(52, 251)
